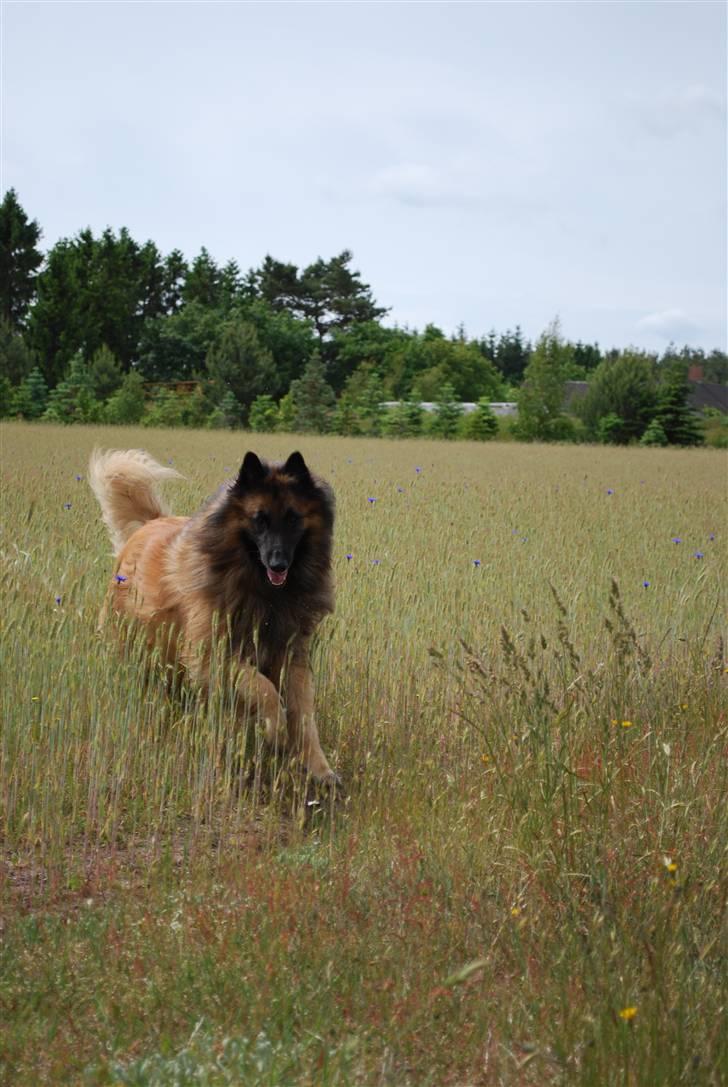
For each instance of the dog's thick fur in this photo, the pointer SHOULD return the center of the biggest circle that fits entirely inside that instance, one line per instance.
(254, 562)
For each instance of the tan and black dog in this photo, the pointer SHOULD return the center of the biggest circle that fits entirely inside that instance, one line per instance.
(254, 562)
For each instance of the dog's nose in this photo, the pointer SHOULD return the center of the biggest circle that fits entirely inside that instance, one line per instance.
(278, 562)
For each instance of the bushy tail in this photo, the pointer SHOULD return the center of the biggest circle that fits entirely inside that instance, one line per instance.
(125, 482)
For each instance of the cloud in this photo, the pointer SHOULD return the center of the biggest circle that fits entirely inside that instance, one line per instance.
(669, 324)
(693, 107)
(422, 185)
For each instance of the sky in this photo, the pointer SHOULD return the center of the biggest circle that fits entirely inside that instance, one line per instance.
(488, 164)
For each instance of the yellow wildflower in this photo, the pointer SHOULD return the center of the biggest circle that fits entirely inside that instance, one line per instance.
(516, 911)
(628, 1013)
(627, 724)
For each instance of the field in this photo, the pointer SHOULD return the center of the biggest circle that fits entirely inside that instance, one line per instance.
(523, 689)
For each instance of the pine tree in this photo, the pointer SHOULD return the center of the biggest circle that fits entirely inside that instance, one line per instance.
(673, 413)
(6, 397)
(240, 364)
(73, 399)
(263, 416)
(403, 421)
(448, 410)
(541, 397)
(654, 435)
(31, 398)
(105, 373)
(126, 405)
(19, 259)
(16, 358)
(480, 425)
(313, 399)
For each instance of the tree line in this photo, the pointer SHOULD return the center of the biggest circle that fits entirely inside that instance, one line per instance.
(107, 329)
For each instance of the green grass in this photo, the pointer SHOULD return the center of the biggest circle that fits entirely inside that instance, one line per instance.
(534, 748)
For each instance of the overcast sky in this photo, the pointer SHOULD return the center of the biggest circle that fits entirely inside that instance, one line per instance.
(490, 164)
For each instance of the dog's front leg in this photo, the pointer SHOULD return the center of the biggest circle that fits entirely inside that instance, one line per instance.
(258, 695)
(302, 732)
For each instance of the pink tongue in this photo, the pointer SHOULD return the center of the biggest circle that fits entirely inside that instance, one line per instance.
(274, 578)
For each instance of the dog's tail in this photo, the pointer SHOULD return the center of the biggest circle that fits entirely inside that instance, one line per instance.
(125, 481)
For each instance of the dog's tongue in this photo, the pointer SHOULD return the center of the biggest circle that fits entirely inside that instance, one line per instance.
(274, 578)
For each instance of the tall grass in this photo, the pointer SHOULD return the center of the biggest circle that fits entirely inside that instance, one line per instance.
(523, 690)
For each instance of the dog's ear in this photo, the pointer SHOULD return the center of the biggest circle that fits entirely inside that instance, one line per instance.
(296, 466)
(251, 475)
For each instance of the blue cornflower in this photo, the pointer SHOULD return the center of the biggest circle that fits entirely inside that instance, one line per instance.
(78, 479)
(418, 469)
(698, 554)
(645, 584)
(375, 562)
(66, 505)
(711, 535)
(400, 490)
(371, 500)
(120, 578)
(609, 490)
(476, 562)
(349, 557)
(676, 539)
(58, 600)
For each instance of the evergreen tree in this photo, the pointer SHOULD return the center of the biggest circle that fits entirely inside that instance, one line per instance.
(203, 283)
(541, 398)
(174, 348)
(174, 273)
(16, 358)
(166, 410)
(623, 388)
(404, 421)
(239, 363)
(20, 260)
(126, 405)
(286, 414)
(289, 340)
(511, 356)
(91, 292)
(480, 425)
(654, 435)
(327, 293)
(263, 416)
(345, 420)
(105, 373)
(444, 422)
(31, 398)
(673, 413)
(73, 399)
(313, 399)
(6, 397)
(359, 410)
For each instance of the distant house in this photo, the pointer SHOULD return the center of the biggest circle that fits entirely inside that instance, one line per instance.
(706, 394)
(498, 407)
(703, 394)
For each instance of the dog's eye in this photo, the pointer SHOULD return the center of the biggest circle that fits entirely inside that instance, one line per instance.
(261, 519)
(291, 517)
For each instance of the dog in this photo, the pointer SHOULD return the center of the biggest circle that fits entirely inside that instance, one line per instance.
(254, 564)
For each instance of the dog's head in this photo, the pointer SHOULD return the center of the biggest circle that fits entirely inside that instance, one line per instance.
(282, 508)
